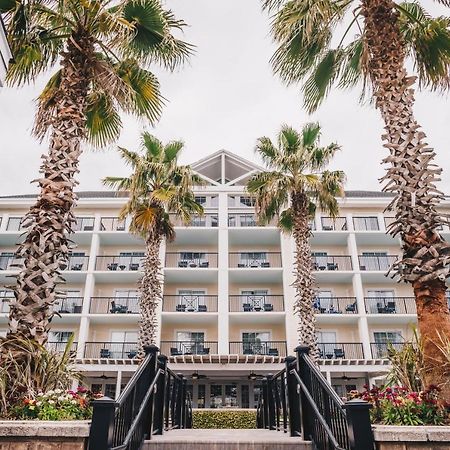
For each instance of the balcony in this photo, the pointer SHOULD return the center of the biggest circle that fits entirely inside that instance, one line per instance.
(206, 220)
(335, 305)
(110, 350)
(60, 347)
(190, 303)
(262, 260)
(4, 307)
(331, 263)
(84, 224)
(381, 350)
(180, 348)
(112, 224)
(75, 263)
(369, 223)
(256, 303)
(390, 305)
(334, 223)
(114, 305)
(376, 262)
(68, 305)
(267, 348)
(388, 221)
(119, 263)
(10, 263)
(14, 224)
(190, 260)
(348, 350)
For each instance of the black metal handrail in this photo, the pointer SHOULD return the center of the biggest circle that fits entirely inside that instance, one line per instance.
(119, 263)
(112, 224)
(331, 262)
(256, 303)
(154, 400)
(268, 348)
(335, 305)
(390, 305)
(180, 348)
(186, 260)
(376, 262)
(334, 223)
(114, 305)
(190, 303)
(381, 350)
(341, 350)
(264, 260)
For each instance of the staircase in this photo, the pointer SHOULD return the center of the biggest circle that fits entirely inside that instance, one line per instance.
(225, 440)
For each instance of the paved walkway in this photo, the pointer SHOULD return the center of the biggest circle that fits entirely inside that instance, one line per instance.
(225, 440)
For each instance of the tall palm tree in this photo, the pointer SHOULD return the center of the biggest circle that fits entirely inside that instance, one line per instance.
(297, 182)
(388, 32)
(157, 187)
(102, 48)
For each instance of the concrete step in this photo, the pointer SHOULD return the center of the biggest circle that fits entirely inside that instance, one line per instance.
(225, 440)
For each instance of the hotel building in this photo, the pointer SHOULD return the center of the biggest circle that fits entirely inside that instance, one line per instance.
(5, 53)
(226, 317)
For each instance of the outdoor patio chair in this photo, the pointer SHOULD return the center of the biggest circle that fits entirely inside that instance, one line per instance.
(248, 351)
(204, 264)
(202, 308)
(77, 267)
(268, 307)
(351, 307)
(132, 354)
(134, 266)
(112, 266)
(175, 352)
(332, 266)
(182, 263)
(203, 351)
(105, 353)
(327, 227)
(241, 265)
(339, 353)
(265, 264)
(180, 308)
(390, 308)
(247, 307)
(272, 352)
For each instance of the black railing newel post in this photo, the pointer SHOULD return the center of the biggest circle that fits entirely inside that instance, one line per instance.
(270, 402)
(293, 398)
(102, 426)
(178, 413)
(265, 402)
(307, 426)
(159, 404)
(359, 426)
(184, 414)
(152, 370)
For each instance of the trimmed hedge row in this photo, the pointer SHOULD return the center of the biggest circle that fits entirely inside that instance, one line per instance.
(223, 418)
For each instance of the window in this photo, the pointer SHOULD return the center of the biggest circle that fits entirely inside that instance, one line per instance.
(14, 224)
(5, 295)
(379, 301)
(254, 300)
(252, 259)
(59, 336)
(201, 396)
(343, 390)
(326, 337)
(247, 201)
(6, 259)
(383, 337)
(374, 261)
(366, 223)
(245, 396)
(201, 200)
(190, 256)
(190, 336)
(124, 336)
(255, 336)
(125, 293)
(324, 300)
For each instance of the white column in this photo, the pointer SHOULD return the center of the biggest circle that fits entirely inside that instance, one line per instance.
(118, 383)
(222, 282)
(350, 225)
(328, 375)
(162, 260)
(4, 224)
(287, 255)
(381, 222)
(318, 221)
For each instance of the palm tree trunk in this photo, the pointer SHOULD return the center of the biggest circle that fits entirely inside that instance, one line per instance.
(412, 178)
(150, 291)
(304, 280)
(46, 247)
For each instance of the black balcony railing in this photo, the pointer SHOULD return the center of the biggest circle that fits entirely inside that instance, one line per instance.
(390, 305)
(335, 305)
(196, 221)
(77, 263)
(381, 350)
(376, 262)
(84, 224)
(242, 220)
(119, 263)
(268, 348)
(334, 223)
(179, 348)
(263, 260)
(331, 262)
(363, 223)
(189, 303)
(60, 347)
(112, 224)
(191, 260)
(348, 350)
(10, 263)
(256, 303)
(114, 305)
(4, 307)
(68, 305)
(111, 350)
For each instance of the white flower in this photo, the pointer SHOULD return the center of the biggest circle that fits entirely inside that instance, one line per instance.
(51, 402)
(58, 391)
(50, 392)
(74, 402)
(40, 394)
(61, 398)
(38, 403)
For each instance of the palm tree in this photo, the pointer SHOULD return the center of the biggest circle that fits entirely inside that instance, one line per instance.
(157, 187)
(388, 32)
(297, 182)
(103, 48)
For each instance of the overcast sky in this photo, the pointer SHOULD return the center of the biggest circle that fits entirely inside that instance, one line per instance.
(225, 98)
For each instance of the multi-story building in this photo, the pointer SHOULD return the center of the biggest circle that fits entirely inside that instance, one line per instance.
(226, 317)
(5, 53)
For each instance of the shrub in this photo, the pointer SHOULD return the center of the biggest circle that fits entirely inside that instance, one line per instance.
(222, 418)
(400, 406)
(57, 405)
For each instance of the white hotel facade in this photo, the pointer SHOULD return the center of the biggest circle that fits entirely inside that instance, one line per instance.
(226, 317)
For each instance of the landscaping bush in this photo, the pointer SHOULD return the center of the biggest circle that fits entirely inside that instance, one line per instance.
(222, 418)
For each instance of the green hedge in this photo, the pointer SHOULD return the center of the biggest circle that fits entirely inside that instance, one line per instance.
(223, 418)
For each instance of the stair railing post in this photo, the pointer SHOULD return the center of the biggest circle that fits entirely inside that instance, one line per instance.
(271, 402)
(293, 398)
(153, 351)
(265, 403)
(184, 414)
(303, 373)
(178, 411)
(359, 426)
(102, 426)
(158, 414)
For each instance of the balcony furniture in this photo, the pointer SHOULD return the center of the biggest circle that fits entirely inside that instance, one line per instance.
(362, 267)
(88, 228)
(180, 308)
(134, 266)
(122, 266)
(390, 308)
(268, 307)
(339, 353)
(105, 353)
(241, 265)
(77, 309)
(202, 308)
(192, 264)
(332, 266)
(175, 351)
(204, 264)
(248, 351)
(332, 310)
(327, 227)
(120, 309)
(254, 264)
(182, 263)
(112, 266)
(247, 307)
(132, 354)
(351, 307)
(265, 264)
(77, 267)
(203, 351)
(272, 352)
